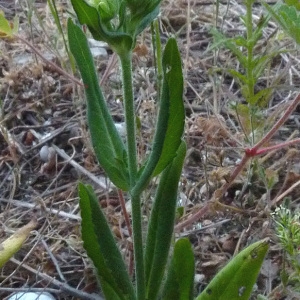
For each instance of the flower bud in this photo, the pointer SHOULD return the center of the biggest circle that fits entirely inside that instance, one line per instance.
(108, 9)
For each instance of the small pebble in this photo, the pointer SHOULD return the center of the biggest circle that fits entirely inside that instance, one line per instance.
(44, 152)
(31, 296)
(47, 153)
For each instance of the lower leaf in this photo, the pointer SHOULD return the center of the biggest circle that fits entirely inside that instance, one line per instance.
(101, 247)
(235, 281)
(161, 224)
(180, 279)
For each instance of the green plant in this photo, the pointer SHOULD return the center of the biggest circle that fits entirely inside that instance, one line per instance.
(287, 226)
(252, 61)
(258, 131)
(287, 16)
(118, 23)
(156, 276)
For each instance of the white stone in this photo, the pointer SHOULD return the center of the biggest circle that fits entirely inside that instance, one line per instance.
(31, 296)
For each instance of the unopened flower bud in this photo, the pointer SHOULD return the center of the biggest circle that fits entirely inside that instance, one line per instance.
(108, 9)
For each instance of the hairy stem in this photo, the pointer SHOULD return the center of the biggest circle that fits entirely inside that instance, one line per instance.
(126, 65)
(129, 114)
(138, 246)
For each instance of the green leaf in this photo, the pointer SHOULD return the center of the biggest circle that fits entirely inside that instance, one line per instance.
(287, 17)
(107, 143)
(6, 28)
(172, 115)
(235, 281)
(161, 224)
(294, 3)
(108, 9)
(261, 98)
(170, 123)
(180, 280)
(229, 43)
(101, 248)
(242, 79)
(90, 16)
(144, 17)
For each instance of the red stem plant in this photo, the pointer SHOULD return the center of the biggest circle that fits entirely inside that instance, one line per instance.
(249, 153)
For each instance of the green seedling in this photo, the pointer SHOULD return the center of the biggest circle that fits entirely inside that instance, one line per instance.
(253, 64)
(287, 226)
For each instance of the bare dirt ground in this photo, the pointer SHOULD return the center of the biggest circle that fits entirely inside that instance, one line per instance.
(45, 148)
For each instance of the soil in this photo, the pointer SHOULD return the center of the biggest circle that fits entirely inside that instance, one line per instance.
(45, 149)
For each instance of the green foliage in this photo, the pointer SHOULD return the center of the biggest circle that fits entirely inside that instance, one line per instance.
(108, 145)
(6, 28)
(288, 17)
(294, 3)
(161, 224)
(253, 64)
(287, 226)
(172, 91)
(235, 281)
(118, 23)
(90, 16)
(107, 9)
(179, 282)
(170, 122)
(101, 247)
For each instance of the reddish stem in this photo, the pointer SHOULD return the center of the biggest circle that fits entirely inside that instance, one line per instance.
(249, 153)
(255, 150)
(277, 146)
(123, 206)
(278, 124)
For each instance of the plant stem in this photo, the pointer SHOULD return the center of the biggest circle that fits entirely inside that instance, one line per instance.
(125, 213)
(279, 123)
(126, 65)
(138, 246)
(158, 58)
(249, 67)
(250, 47)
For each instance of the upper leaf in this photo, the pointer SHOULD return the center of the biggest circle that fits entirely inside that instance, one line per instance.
(170, 123)
(172, 93)
(107, 143)
(287, 17)
(90, 16)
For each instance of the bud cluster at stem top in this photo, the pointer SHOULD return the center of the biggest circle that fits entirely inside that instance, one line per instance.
(117, 22)
(108, 9)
